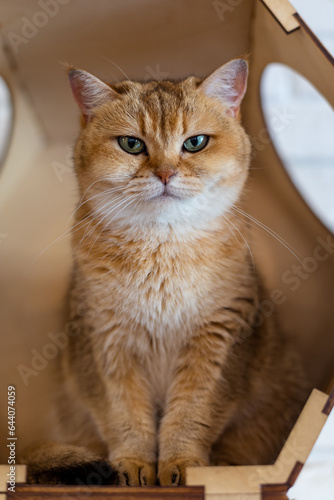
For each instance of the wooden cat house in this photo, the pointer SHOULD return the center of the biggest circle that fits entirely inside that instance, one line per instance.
(150, 39)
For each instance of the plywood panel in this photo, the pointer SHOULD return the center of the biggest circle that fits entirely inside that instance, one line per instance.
(307, 313)
(247, 480)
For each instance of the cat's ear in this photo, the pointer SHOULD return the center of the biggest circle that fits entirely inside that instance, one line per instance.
(89, 92)
(228, 84)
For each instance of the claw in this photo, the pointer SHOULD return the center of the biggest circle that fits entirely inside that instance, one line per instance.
(135, 473)
(173, 473)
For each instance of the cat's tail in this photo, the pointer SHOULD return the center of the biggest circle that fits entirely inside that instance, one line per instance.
(56, 463)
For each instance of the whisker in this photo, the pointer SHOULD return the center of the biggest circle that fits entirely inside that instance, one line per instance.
(98, 221)
(133, 197)
(116, 66)
(108, 191)
(72, 228)
(83, 196)
(227, 220)
(268, 230)
(88, 232)
(107, 215)
(120, 69)
(245, 241)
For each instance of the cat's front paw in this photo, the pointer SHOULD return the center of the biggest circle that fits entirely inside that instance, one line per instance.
(173, 472)
(135, 472)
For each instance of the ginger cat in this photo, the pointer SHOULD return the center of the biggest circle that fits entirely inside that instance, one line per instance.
(168, 363)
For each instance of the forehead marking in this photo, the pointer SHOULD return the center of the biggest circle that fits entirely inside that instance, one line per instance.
(164, 112)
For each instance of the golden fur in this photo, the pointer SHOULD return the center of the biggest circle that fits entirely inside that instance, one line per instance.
(168, 364)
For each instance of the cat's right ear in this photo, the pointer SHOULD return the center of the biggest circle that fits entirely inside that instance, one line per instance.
(89, 92)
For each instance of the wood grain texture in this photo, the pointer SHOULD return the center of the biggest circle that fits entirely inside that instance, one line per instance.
(284, 12)
(279, 491)
(33, 492)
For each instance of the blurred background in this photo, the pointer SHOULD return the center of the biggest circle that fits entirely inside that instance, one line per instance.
(305, 145)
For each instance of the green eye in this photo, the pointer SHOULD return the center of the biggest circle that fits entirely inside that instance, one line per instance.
(132, 145)
(196, 143)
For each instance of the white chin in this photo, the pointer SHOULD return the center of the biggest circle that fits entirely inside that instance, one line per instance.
(165, 197)
(184, 213)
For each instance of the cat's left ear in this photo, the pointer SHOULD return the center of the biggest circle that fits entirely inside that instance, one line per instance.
(228, 84)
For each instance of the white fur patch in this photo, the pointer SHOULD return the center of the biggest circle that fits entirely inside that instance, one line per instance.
(184, 214)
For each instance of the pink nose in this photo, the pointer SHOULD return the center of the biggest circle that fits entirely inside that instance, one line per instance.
(165, 175)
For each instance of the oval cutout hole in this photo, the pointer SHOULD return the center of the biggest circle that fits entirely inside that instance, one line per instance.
(6, 118)
(305, 139)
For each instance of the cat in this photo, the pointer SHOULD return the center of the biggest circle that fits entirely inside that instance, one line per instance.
(169, 363)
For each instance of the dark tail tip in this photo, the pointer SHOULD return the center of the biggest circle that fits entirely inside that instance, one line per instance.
(94, 473)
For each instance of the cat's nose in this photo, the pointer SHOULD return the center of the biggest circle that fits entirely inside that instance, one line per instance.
(165, 175)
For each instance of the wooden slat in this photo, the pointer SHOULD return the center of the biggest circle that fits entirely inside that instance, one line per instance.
(284, 12)
(36, 492)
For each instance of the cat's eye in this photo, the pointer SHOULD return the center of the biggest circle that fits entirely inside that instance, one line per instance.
(132, 145)
(196, 143)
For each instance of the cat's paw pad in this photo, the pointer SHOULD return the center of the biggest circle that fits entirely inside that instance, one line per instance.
(135, 473)
(173, 473)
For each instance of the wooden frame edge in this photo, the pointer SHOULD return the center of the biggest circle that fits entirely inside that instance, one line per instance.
(32, 492)
(279, 491)
(314, 38)
(269, 480)
(279, 18)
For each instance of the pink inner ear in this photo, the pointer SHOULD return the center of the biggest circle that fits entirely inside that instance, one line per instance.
(89, 92)
(77, 88)
(240, 85)
(228, 84)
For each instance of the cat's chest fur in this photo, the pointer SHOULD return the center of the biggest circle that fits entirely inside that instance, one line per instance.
(161, 283)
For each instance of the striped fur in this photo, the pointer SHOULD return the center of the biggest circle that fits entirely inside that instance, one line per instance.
(168, 365)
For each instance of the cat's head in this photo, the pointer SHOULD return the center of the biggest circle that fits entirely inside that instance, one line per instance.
(169, 152)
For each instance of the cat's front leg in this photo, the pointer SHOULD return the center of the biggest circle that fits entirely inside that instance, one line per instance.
(126, 419)
(198, 407)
